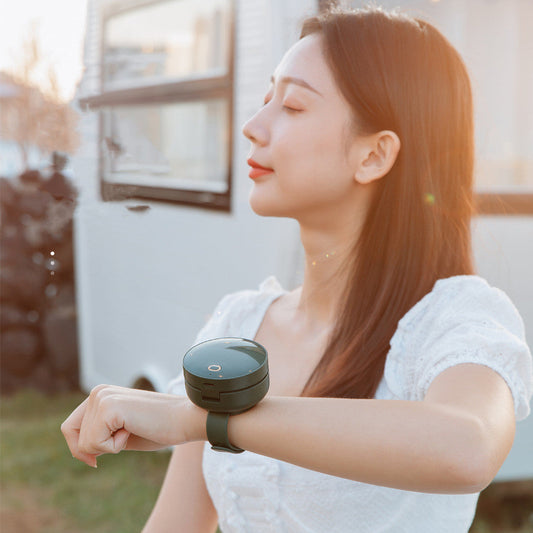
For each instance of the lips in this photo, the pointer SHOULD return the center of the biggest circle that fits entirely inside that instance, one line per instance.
(257, 170)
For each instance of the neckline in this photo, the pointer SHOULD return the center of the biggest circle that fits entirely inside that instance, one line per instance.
(268, 301)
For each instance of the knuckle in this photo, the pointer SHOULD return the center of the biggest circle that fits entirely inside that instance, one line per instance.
(100, 394)
(66, 429)
(106, 404)
(98, 391)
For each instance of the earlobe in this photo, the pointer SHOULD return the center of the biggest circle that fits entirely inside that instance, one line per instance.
(382, 152)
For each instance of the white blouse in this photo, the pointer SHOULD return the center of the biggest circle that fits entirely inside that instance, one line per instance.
(462, 320)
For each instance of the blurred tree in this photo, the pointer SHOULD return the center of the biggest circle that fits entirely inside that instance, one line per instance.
(32, 115)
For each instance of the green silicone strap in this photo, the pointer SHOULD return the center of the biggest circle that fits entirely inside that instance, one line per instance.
(217, 433)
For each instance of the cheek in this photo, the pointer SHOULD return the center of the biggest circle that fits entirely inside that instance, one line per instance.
(318, 159)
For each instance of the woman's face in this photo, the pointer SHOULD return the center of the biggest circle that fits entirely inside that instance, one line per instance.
(304, 134)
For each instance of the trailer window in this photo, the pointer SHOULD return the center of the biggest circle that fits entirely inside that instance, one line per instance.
(166, 102)
(166, 40)
(179, 145)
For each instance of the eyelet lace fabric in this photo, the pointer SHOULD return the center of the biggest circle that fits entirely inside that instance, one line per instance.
(462, 320)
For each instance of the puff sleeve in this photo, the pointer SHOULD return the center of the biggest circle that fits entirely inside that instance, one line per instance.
(462, 320)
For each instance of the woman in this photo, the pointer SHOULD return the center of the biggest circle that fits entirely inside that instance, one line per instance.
(396, 373)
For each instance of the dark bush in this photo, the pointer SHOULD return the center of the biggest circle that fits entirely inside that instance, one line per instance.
(38, 324)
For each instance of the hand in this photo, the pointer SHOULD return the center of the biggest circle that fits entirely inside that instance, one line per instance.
(113, 419)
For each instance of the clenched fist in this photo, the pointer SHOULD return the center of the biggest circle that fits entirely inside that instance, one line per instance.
(113, 419)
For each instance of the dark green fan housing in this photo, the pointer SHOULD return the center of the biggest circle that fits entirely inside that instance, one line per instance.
(226, 375)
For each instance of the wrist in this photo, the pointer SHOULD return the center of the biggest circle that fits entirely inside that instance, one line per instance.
(195, 422)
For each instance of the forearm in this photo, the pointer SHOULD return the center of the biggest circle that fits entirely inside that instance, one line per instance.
(417, 446)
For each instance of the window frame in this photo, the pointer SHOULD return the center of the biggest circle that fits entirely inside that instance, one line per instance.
(494, 203)
(165, 92)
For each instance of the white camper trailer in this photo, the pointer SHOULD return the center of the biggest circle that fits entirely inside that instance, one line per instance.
(163, 228)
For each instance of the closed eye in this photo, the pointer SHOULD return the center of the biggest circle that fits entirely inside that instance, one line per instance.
(291, 109)
(286, 108)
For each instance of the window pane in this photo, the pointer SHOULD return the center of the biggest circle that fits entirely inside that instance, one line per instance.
(172, 39)
(178, 145)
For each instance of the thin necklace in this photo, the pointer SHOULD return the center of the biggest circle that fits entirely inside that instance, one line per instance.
(326, 256)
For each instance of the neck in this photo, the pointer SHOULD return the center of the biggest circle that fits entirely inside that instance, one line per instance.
(328, 238)
(325, 278)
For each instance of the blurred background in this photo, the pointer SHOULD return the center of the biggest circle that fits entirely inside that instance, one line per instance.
(124, 217)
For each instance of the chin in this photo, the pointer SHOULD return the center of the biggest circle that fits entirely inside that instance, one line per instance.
(265, 210)
(266, 207)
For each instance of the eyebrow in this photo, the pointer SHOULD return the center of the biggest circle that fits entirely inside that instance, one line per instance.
(296, 81)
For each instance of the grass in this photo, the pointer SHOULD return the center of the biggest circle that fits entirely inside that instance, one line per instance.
(39, 477)
(44, 490)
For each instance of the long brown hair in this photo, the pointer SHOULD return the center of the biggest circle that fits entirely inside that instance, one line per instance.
(400, 74)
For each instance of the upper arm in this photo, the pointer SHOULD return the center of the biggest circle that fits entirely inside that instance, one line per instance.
(481, 393)
(184, 503)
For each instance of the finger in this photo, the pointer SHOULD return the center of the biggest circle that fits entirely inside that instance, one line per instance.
(71, 426)
(87, 458)
(114, 443)
(102, 429)
(71, 431)
(120, 440)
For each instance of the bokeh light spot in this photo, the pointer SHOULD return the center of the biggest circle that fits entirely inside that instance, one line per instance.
(429, 198)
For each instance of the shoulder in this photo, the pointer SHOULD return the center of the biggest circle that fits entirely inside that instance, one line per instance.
(249, 298)
(237, 313)
(462, 297)
(462, 319)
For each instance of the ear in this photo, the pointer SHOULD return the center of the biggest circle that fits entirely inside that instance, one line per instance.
(379, 154)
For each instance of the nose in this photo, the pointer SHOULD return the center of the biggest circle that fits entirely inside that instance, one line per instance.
(255, 129)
